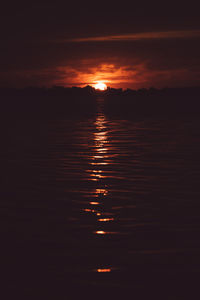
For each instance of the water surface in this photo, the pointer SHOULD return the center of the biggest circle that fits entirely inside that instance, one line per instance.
(104, 204)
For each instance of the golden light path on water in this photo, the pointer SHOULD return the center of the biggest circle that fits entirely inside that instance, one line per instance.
(97, 174)
(99, 159)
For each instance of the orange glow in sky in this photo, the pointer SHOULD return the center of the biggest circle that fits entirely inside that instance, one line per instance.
(102, 75)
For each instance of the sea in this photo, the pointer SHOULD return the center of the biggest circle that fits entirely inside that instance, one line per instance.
(101, 206)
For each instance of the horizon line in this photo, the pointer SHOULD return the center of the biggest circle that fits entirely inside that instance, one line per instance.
(108, 87)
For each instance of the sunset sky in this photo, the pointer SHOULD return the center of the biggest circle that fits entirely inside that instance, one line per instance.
(129, 46)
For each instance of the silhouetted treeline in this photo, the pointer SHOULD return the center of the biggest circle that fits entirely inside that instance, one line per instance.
(58, 102)
(153, 102)
(43, 103)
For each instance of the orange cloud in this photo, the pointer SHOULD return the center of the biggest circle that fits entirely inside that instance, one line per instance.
(112, 75)
(177, 34)
(134, 76)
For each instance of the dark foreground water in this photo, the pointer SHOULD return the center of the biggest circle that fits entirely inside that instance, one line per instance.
(100, 208)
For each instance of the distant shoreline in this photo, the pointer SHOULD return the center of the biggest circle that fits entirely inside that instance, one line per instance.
(61, 102)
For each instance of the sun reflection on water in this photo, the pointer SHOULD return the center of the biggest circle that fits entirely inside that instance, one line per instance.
(100, 232)
(106, 219)
(103, 270)
(97, 172)
(94, 203)
(103, 192)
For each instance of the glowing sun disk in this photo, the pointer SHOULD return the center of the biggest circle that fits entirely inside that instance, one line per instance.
(100, 86)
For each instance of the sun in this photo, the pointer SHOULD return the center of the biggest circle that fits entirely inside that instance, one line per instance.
(100, 86)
